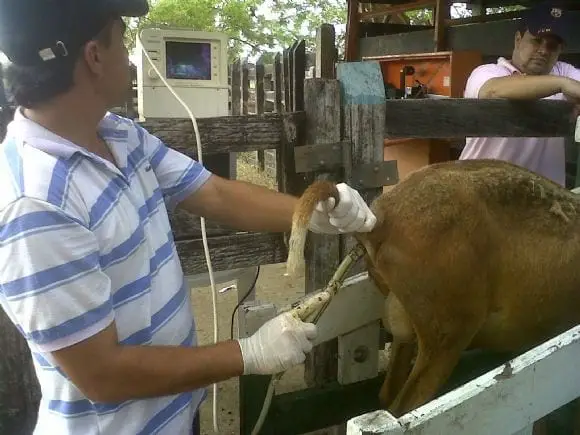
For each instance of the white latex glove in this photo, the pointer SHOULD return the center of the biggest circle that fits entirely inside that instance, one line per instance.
(351, 215)
(278, 345)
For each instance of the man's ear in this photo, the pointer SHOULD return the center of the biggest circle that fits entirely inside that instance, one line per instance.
(92, 54)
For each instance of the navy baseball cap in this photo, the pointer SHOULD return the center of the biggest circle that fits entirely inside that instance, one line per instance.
(548, 18)
(34, 32)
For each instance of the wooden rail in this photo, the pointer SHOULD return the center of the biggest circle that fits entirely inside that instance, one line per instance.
(462, 117)
(226, 134)
(505, 400)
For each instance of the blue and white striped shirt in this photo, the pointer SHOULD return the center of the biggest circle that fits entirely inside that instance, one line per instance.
(84, 243)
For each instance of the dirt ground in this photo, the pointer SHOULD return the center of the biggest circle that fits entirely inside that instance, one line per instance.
(271, 286)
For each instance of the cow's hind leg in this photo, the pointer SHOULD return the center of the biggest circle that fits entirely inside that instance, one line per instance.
(403, 347)
(438, 352)
(401, 351)
(429, 373)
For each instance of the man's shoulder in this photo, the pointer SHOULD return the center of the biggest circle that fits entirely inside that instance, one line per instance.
(31, 176)
(491, 69)
(565, 69)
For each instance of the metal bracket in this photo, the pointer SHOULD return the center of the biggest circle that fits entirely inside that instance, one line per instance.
(374, 175)
(326, 157)
(330, 157)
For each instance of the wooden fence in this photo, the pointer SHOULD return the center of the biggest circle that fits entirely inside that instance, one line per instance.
(252, 91)
(273, 132)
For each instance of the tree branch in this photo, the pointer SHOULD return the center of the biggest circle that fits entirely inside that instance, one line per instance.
(254, 46)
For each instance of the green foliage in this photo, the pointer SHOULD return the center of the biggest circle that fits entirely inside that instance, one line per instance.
(252, 26)
(505, 9)
(255, 27)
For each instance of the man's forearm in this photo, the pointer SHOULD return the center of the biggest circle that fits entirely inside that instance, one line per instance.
(243, 206)
(138, 372)
(263, 209)
(520, 87)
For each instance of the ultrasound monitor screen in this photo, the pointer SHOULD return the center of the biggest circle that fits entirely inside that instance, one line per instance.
(188, 60)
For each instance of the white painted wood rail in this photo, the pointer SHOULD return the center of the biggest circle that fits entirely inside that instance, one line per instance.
(352, 316)
(503, 401)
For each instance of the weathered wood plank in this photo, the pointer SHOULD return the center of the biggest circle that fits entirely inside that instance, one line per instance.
(19, 388)
(282, 169)
(278, 83)
(322, 253)
(260, 99)
(286, 76)
(326, 52)
(463, 117)
(358, 303)
(364, 112)
(225, 134)
(298, 75)
(503, 400)
(363, 98)
(236, 86)
(442, 13)
(245, 86)
(186, 226)
(288, 181)
(319, 157)
(232, 251)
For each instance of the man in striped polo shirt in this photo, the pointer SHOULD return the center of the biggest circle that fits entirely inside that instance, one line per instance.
(89, 272)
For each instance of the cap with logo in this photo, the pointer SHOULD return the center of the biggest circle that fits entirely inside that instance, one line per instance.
(34, 32)
(548, 18)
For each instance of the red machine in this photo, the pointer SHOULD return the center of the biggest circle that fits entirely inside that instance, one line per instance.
(423, 75)
(442, 73)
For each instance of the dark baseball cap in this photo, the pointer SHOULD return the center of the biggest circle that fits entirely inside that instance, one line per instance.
(36, 32)
(548, 18)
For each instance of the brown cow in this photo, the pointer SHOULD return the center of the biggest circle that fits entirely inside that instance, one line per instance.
(468, 254)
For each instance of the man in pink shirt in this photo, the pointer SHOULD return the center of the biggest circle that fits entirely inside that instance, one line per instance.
(532, 72)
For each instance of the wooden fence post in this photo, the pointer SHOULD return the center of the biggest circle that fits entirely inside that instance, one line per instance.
(322, 253)
(260, 100)
(364, 111)
(294, 59)
(364, 127)
(19, 388)
(326, 52)
(236, 87)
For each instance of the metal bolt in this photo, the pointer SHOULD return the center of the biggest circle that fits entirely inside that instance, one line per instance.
(361, 354)
(321, 163)
(376, 169)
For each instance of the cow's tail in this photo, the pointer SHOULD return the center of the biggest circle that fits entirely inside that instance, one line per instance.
(316, 192)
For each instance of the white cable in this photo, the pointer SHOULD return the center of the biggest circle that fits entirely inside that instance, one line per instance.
(203, 231)
(267, 402)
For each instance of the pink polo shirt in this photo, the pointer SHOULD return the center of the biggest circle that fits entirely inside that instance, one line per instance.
(542, 155)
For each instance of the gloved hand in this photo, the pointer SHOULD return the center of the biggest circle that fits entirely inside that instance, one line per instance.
(350, 215)
(278, 345)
